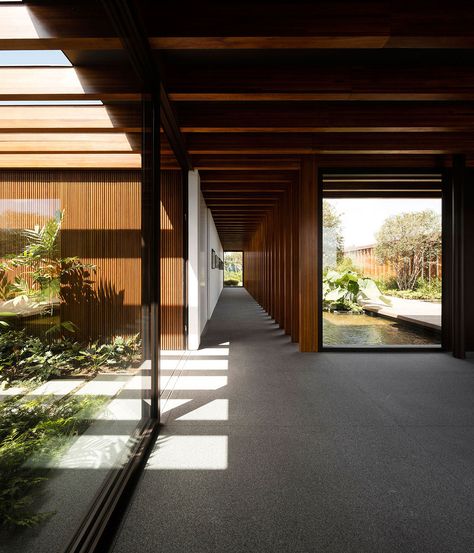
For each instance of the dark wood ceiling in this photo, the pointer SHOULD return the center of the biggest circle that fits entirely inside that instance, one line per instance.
(254, 86)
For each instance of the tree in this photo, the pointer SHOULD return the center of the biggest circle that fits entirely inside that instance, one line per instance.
(333, 241)
(409, 242)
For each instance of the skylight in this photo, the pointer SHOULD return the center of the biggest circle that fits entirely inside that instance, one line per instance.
(33, 58)
(51, 103)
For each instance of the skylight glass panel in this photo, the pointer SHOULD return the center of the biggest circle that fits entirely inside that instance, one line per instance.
(51, 103)
(33, 58)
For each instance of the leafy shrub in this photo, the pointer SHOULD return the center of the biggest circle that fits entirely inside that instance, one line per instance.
(231, 282)
(424, 290)
(27, 429)
(232, 275)
(346, 264)
(342, 290)
(24, 357)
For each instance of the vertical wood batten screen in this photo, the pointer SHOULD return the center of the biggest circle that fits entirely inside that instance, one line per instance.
(172, 262)
(271, 262)
(102, 225)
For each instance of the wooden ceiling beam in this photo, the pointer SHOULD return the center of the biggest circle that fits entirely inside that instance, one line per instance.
(208, 117)
(245, 176)
(332, 143)
(65, 119)
(68, 142)
(322, 82)
(342, 24)
(245, 163)
(68, 83)
(86, 160)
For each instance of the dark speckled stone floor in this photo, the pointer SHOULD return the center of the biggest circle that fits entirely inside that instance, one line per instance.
(290, 452)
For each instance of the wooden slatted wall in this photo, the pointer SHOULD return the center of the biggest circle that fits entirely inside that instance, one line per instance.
(102, 225)
(271, 262)
(172, 262)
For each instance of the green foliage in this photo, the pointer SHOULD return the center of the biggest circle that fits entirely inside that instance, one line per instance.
(424, 290)
(333, 240)
(232, 282)
(233, 264)
(409, 242)
(44, 274)
(346, 264)
(28, 358)
(230, 275)
(342, 290)
(38, 427)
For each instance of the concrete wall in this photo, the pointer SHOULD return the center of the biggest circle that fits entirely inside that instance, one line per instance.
(204, 284)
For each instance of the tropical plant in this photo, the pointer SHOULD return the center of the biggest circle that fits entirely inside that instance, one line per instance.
(342, 291)
(409, 242)
(42, 275)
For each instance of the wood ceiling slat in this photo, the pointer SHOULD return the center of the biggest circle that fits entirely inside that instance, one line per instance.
(55, 21)
(322, 82)
(57, 142)
(52, 83)
(65, 161)
(326, 117)
(332, 143)
(244, 163)
(335, 24)
(70, 119)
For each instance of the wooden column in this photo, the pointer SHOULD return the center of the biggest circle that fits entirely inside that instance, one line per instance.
(458, 326)
(308, 256)
(151, 246)
(295, 256)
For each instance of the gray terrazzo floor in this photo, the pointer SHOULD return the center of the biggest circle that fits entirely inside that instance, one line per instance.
(265, 449)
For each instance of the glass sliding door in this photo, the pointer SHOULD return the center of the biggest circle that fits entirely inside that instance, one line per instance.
(75, 387)
(381, 263)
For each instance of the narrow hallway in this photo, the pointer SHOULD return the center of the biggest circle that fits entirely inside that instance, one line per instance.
(265, 449)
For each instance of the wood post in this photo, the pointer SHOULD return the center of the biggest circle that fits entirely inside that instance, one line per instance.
(458, 322)
(309, 256)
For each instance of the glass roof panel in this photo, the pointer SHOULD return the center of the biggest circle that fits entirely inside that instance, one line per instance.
(30, 58)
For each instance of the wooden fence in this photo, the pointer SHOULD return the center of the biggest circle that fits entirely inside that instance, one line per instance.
(365, 261)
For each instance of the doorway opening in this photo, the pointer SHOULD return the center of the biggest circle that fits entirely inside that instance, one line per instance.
(233, 269)
(382, 269)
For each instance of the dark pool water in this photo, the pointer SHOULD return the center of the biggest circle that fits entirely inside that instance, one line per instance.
(365, 330)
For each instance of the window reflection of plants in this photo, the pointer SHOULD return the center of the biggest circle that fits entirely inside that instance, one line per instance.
(41, 280)
(42, 276)
(28, 430)
(33, 285)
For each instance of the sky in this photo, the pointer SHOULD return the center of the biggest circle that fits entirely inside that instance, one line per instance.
(24, 58)
(362, 217)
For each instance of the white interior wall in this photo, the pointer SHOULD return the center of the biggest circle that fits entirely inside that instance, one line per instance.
(194, 192)
(215, 276)
(204, 284)
(203, 271)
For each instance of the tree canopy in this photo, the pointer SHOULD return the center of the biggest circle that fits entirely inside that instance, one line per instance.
(333, 240)
(408, 242)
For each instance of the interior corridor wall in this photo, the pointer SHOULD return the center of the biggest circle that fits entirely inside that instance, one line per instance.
(204, 284)
(172, 261)
(215, 275)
